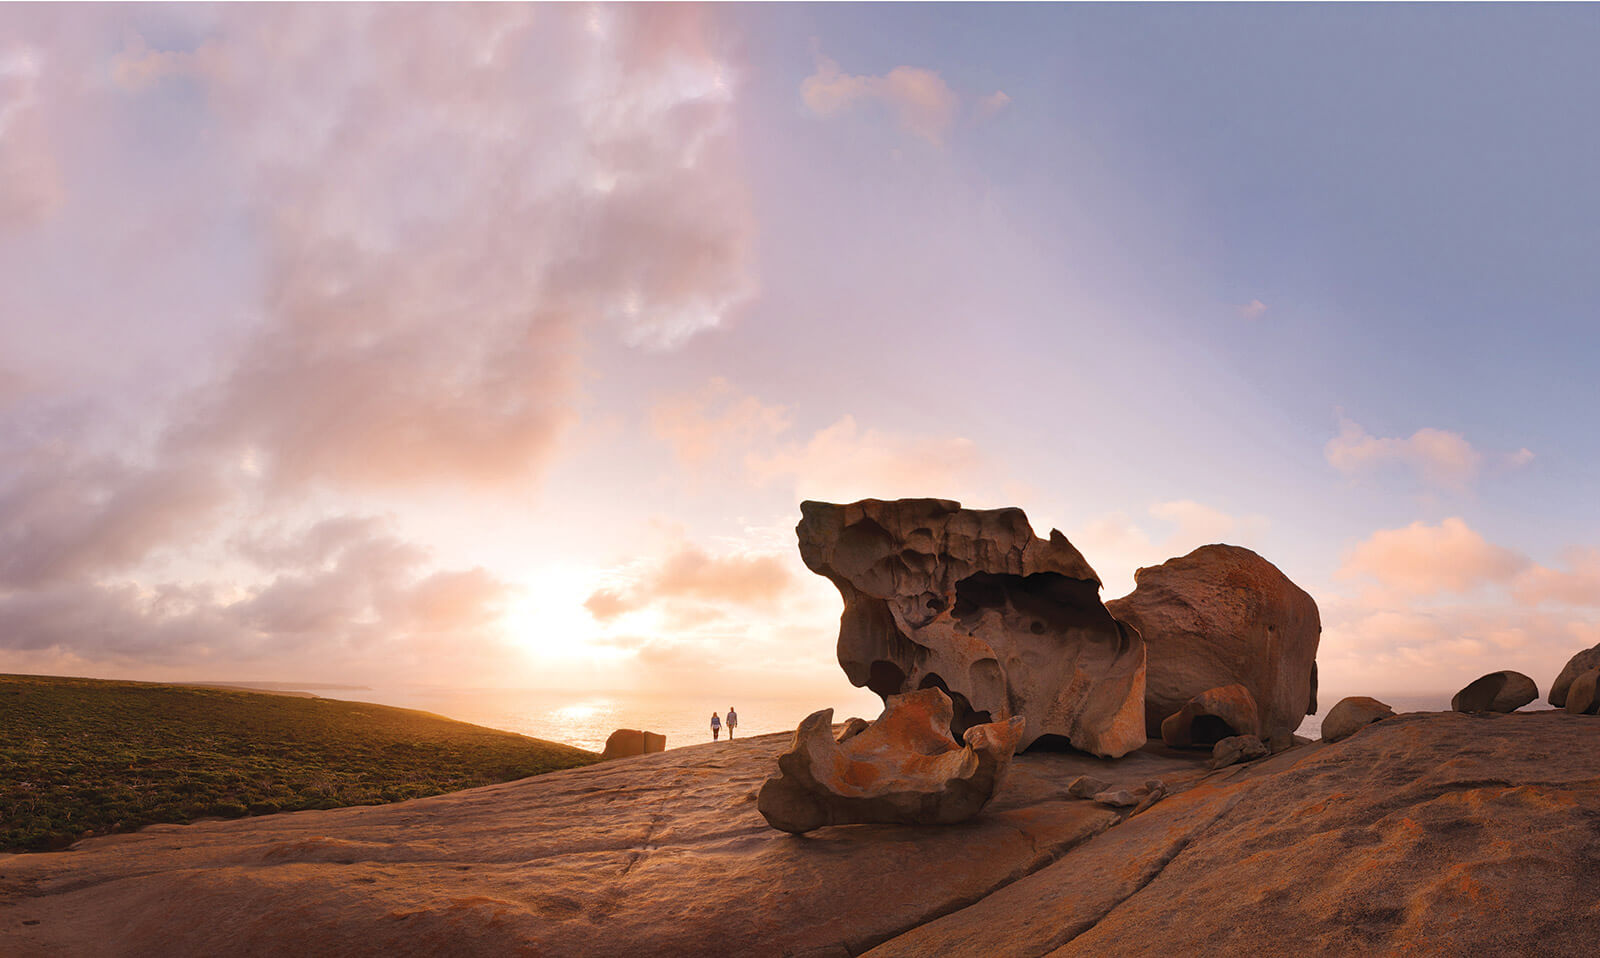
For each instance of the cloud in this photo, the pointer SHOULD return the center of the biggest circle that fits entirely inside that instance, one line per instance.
(31, 186)
(1420, 560)
(988, 106)
(1254, 309)
(447, 203)
(1578, 585)
(1439, 456)
(1416, 650)
(921, 102)
(369, 604)
(1116, 545)
(692, 577)
(844, 462)
(393, 233)
(701, 426)
(65, 514)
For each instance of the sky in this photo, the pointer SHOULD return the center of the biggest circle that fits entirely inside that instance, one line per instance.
(496, 346)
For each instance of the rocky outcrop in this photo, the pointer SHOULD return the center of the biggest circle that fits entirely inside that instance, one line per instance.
(1352, 715)
(1576, 666)
(1474, 844)
(626, 742)
(1496, 692)
(972, 602)
(903, 769)
(1212, 716)
(661, 855)
(1583, 696)
(1442, 834)
(1218, 616)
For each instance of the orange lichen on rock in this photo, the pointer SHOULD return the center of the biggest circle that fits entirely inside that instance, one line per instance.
(904, 768)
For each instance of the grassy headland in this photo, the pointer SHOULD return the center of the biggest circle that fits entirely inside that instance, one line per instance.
(84, 757)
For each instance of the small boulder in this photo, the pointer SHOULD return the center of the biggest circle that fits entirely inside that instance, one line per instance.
(1237, 748)
(1281, 741)
(851, 729)
(1119, 798)
(1352, 715)
(1496, 692)
(1576, 666)
(1583, 697)
(1087, 786)
(626, 742)
(1212, 716)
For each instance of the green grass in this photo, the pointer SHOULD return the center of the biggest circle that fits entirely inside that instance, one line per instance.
(82, 757)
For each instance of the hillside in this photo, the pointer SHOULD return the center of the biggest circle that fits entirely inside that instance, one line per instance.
(83, 757)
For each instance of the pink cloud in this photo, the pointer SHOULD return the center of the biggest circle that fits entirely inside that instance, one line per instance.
(1254, 309)
(1439, 456)
(449, 201)
(31, 186)
(1424, 560)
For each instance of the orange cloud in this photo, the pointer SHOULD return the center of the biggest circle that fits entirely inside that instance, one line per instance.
(1425, 560)
(691, 575)
(923, 104)
(1578, 585)
(718, 418)
(843, 462)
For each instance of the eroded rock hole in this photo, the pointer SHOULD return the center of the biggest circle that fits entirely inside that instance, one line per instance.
(885, 678)
(1047, 601)
(965, 715)
(1209, 730)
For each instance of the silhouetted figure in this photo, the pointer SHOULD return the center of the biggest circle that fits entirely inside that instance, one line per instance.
(733, 722)
(716, 727)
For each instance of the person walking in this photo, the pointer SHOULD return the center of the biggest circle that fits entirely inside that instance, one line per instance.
(733, 722)
(716, 727)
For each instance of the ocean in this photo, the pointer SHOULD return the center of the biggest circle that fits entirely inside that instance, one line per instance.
(586, 719)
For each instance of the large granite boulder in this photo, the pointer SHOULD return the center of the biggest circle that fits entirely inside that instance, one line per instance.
(1576, 666)
(1504, 691)
(972, 602)
(1583, 696)
(627, 742)
(1352, 715)
(903, 769)
(1223, 615)
(1212, 716)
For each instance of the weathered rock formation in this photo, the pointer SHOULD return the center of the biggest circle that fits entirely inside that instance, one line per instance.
(902, 769)
(1576, 666)
(1223, 615)
(1352, 715)
(1583, 696)
(972, 602)
(1212, 716)
(625, 742)
(1496, 692)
